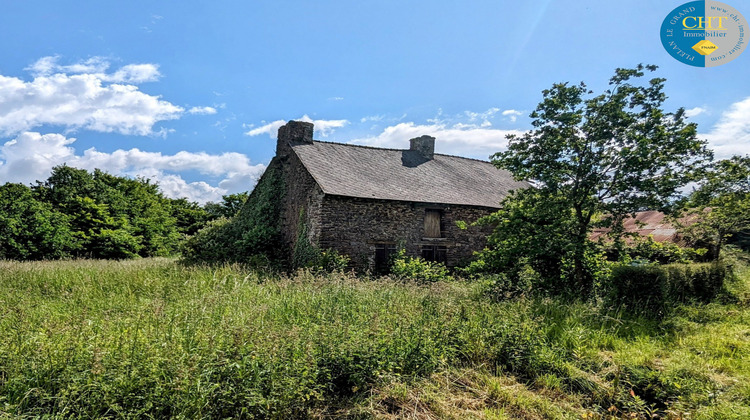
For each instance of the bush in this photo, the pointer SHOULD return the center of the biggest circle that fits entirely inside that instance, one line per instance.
(659, 252)
(329, 260)
(651, 287)
(209, 244)
(521, 348)
(702, 282)
(524, 275)
(505, 286)
(418, 269)
(252, 234)
(325, 261)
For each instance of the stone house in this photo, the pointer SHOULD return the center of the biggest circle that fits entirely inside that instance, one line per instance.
(368, 202)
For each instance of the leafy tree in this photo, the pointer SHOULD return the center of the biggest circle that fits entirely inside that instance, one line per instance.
(97, 233)
(147, 211)
(30, 229)
(531, 230)
(252, 235)
(189, 216)
(229, 206)
(63, 186)
(111, 216)
(720, 207)
(614, 153)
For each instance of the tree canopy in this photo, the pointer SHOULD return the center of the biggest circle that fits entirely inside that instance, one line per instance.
(79, 214)
(720, 205)
(613, 153)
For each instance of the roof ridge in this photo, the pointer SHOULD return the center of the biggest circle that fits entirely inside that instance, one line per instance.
(359, 145)
(396, 150)
(354, 170)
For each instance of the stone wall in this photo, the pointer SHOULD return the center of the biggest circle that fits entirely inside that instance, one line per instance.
(354, 226)
(302, 199)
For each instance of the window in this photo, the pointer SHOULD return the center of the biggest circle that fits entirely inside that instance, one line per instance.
(383, 253)
(432, 224)
(436, 253)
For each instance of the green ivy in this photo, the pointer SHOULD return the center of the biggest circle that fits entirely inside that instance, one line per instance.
(304, 253)
(253, 234)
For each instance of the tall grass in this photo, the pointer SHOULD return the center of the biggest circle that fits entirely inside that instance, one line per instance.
(152, 338)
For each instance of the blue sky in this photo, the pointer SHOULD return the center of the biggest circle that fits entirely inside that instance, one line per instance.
(190, 94)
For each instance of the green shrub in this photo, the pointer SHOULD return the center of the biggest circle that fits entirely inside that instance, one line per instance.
(329, 260)
(325, 261)
(30, 229)
(505, 286)
(254, 231)
(521, 348)
(702, 282)
(652, 287)
(418, 269)
(209, 244)
(660, 252)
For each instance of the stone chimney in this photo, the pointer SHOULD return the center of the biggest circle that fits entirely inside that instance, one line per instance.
(291, 133)
(425, 145)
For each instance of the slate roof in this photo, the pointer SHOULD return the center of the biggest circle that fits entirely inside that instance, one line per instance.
(404, 175)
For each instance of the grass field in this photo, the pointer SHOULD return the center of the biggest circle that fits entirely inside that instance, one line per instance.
(151, 338)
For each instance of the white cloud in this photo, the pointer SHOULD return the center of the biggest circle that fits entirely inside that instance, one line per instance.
(466, 134)
(202, 110)
(459, 139)
(84, 95)
(175, 186)
(322, 127)
(471, 119)
(481, 116)
(373, 118)
(134, 73)
(31, 156)
(44, 66)
(512, 114)
(131, 73)
(79, 101)
(692, 112)
(731, 135)
(271, 129)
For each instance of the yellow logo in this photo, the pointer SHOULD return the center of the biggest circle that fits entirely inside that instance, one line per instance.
(705, 47)
(697, 23)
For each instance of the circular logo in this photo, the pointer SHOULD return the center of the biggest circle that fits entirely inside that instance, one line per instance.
(704, 33)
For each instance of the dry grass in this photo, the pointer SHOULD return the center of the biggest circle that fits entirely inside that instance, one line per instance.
(470, 394)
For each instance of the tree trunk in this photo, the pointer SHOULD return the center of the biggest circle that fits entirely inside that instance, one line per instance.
(580, 275)
(717, 248)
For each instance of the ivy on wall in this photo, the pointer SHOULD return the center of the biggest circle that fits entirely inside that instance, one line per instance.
(253, 235)
(304, 252)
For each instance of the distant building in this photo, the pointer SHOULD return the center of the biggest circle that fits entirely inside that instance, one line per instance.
(649, 223)
(368, 202)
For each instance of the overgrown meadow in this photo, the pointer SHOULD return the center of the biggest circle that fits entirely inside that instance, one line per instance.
(152, 338)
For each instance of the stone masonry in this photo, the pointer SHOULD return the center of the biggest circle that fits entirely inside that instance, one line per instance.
(342, 197)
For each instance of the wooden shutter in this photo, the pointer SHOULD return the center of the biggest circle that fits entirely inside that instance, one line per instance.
(432, 224)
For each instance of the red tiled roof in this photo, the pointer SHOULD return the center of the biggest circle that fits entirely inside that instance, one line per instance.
(649, 223)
